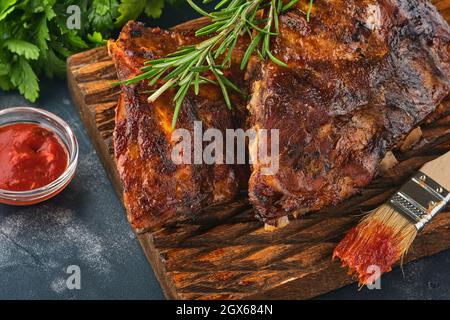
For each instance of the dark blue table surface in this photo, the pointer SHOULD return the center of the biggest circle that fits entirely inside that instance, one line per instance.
(86, 226)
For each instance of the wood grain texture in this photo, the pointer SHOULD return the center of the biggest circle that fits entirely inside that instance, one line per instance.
(226, 253)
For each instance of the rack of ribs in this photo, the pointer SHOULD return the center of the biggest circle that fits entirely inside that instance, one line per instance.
(155, 190)
(361, 75)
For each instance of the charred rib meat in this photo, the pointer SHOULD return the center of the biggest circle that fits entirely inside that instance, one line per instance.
(155, 189)
(361, 75)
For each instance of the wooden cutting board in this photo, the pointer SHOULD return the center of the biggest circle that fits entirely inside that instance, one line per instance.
(226, 253)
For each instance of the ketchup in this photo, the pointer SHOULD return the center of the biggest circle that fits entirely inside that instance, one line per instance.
(31, 157)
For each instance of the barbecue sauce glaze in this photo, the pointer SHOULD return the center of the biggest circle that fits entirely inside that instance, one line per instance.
(31, 157)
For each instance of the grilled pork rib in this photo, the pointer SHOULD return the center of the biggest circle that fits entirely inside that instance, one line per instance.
(361, 76)
(155, 189)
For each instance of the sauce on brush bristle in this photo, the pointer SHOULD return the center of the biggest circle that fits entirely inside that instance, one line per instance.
(379, 240)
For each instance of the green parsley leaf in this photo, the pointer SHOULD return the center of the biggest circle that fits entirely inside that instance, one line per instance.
(22, 48)
(97, 38)
(55, 65)
(42, 34)
(5, 83)
(101, 15)
(154, 8)
(76, 41)
(129, 10)
(6, 7)
(24, 78)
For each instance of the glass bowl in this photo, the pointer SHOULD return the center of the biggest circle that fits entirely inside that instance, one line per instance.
(63, 131)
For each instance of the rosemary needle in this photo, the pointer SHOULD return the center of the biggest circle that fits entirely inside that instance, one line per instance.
(186, 67)
(308, 14)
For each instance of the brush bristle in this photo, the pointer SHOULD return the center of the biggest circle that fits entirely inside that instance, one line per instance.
(381, 239)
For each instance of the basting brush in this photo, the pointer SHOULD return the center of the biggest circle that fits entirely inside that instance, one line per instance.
(384, 236)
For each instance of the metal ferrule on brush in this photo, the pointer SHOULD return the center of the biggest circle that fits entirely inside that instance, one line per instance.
(420, 199)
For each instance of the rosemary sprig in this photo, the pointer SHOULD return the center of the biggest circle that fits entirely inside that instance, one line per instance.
(188, 67)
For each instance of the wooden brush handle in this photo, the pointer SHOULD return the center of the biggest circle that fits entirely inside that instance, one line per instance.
(439, 170)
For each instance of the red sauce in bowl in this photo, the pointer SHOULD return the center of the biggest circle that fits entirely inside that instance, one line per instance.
(31, 157)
